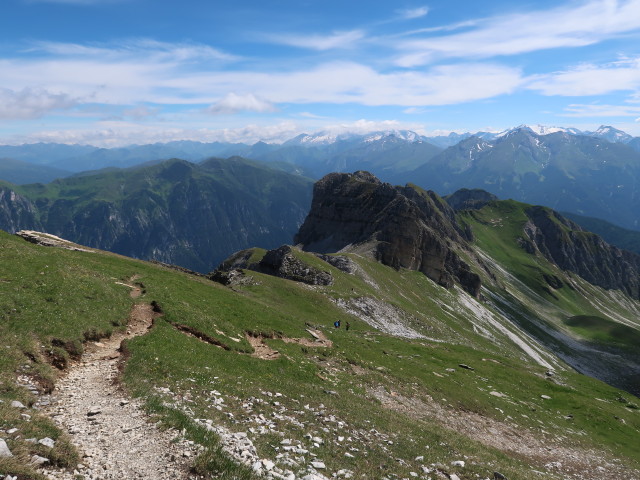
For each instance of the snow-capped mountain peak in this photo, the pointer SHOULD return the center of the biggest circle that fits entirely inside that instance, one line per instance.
(611, 134)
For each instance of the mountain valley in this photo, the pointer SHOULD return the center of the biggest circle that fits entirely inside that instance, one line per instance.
(462, 332)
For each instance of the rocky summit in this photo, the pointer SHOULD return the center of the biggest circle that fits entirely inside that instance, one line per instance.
(403, 227)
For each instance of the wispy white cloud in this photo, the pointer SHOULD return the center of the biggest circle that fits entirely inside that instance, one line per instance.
(135, 48)
(411, 13)
(160, 73)
(590, 79)
(335, 40)
(30, 103)
(414, 110)
(596, 110)
(120, 133)
(233, 103)
(573, 25)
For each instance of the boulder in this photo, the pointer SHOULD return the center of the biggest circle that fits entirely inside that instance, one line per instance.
(4, 449)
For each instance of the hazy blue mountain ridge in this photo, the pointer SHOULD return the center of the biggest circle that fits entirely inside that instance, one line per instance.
(193, 215)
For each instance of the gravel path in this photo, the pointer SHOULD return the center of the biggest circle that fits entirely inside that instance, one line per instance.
(112, 432)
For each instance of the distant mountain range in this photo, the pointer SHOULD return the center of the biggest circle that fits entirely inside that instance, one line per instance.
(588, 173)
(192, 215)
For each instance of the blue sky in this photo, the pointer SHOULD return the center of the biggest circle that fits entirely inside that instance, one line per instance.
(116, 72)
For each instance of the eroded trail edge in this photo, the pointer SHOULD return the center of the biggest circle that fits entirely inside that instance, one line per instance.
(111, 431)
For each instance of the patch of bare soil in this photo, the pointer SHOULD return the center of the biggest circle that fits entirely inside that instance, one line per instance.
(203, 337)
(543, 450)
(260, 349)
(113, 433)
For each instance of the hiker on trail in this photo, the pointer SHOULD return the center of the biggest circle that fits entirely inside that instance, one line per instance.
(336, 324)
(347, 326)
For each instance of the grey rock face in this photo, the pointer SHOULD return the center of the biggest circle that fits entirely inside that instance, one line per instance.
(564, 243)
(403, 227)
(279, 262)
(282, 263)
(466, 199)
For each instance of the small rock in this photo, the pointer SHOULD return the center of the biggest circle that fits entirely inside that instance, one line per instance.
(93, 411)
(11, 431)
(38, 460)
(462, 365)
(4, 449)
(47, 442)
(497, 394)
(17, 404)
(458, 463)
(268, 464)
(419, 458)
(545, 397)
(318, 465)
(453, 476)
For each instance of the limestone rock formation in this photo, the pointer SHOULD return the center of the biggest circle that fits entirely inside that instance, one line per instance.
(564, 243)
(279, 262)
(465, 199)
(403, 227)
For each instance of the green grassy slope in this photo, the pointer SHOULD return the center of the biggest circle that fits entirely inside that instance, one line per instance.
(393, 399)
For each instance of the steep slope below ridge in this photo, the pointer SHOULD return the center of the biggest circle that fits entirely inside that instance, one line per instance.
(400, 226)
(543, 292)
(571, 248)
(618, 236)
(563, 242)
(174, 211)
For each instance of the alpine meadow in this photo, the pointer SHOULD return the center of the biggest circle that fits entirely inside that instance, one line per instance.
(319, 240)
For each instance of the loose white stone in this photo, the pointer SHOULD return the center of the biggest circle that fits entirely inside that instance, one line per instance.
(4, 449)
(318, 465)
(17, 404)
(38, 460)
(47, 442)
(458, 463)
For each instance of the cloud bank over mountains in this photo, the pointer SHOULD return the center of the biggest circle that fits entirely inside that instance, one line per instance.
(419, 64)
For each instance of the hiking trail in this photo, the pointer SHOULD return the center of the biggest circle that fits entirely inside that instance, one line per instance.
(113, 434)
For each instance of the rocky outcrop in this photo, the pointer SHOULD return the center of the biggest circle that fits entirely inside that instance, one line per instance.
(16, 211)
(339, 261)
(282, 263)
(469, 199)
(279, 262)
(47, 240)
(403, 227)
(568, 246)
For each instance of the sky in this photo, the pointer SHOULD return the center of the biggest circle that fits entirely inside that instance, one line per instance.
(119, 72)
